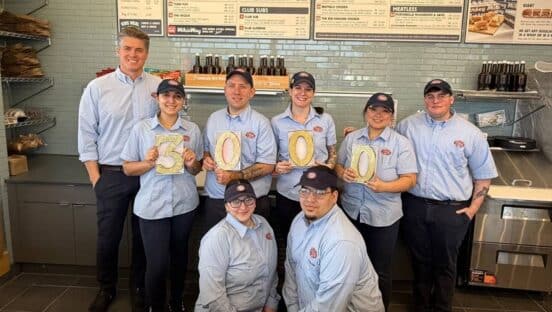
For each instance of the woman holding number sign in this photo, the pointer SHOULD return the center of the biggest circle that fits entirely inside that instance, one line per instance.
(163, 151)
(377, 164)
(310, 125)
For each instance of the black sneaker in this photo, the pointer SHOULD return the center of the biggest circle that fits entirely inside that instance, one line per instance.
(102, 301)
(177, 306)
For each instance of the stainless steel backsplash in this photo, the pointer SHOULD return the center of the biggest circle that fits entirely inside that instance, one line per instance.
(539, 124)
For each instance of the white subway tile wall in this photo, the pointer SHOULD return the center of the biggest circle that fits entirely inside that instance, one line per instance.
(84, 37)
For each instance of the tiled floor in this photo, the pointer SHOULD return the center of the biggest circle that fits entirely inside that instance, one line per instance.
(37, 292)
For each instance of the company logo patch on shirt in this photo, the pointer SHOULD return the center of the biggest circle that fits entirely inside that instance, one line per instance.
(268, 236)
(459, 143)
(317, 129)
(386, 152)
(250, 135)
(313, 253)
(186, 138)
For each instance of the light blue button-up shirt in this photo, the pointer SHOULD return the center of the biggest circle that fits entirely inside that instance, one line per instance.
(163, 196)
(327, 267)
(450, 155)
(257, 146)
(323, 130)
(237, 267)
(395, 156)
(110, 106)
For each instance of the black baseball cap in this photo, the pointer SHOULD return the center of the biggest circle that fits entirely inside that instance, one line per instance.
(246, 75)
(319, 177)
(171, 85)
(300, 77)
(437, 85)
(381, 100)
(238, 188)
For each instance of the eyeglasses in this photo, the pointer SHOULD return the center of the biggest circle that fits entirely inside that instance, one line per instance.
(305, 192)
(236, 203)
(438, 97)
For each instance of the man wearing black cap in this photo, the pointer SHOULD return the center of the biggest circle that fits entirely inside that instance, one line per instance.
(455, 171)
(327, 266)
(257, 147)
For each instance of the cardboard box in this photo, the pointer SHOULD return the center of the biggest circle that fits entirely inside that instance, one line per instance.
(4, 262)
(17, 164)
(218, 81)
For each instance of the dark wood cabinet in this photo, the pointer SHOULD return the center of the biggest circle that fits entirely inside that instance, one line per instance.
(56, 224)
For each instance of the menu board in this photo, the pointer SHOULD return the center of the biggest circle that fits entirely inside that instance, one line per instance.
(389, 20)
(144, 14)
(517, 22)
(239, 19)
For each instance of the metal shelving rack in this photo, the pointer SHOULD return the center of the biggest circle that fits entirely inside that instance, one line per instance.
(501, 95)
(43, 83)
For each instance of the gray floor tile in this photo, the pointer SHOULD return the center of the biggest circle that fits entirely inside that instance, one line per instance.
(90, 281)
(517, 302)
(9, 292)
(542, 300)
(33, 279)
(475, 298)
(34, 299)
(73, 300)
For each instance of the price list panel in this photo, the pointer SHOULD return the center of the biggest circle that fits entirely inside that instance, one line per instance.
(239, 19)
(144, 14)
(388, 20)
(512, 22)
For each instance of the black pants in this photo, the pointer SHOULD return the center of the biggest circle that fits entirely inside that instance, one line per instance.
(166, 246)
(433, 232)
(114, 193)
(286, 210)
(380, 245)
(215, 211)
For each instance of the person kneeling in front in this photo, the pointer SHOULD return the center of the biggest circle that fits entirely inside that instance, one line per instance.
(237, 257)
(327, 266)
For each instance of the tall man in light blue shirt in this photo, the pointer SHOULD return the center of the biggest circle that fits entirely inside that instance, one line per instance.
(109, 108)
(258, 147)
(455, 171)
(327, 266)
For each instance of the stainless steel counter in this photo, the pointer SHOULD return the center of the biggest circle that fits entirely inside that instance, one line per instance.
(55, 169)
(523, 169)
(63, 169)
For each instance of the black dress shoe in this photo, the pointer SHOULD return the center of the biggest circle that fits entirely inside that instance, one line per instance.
(139, 300)
(102, 301)
(177, 306)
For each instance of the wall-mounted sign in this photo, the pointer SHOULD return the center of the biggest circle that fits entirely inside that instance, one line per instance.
(144, 14)
(239, 19)
(518, 22)
(388, 20)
